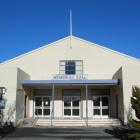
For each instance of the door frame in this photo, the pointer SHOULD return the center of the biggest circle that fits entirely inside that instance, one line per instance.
(101, 116)
(71, 107)
(42, 107)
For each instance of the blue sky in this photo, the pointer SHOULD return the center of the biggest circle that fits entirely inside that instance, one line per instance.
(29, 24)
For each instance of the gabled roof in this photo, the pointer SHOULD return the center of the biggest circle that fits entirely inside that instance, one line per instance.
(108, 49)
(83, 40)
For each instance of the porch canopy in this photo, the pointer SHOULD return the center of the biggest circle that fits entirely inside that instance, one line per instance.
(69, 82)
(53, 83)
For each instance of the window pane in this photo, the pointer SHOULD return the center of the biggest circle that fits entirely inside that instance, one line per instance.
(71, 63)
(75, 101)
(46, 101)
(46, 112)
(96, 112)
(78, 67)
(105, 112)
(62, 72)
(38, 112)
(70, 68)
(62, 67)
(62, 62)
(96, 101)
(67, 112)
(70, 72)
(75, 112)
(79, 63)
(67, 102)
(79, 72)
(38, 101)
(105, 101)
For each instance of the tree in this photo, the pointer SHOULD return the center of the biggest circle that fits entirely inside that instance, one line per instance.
(135, 102)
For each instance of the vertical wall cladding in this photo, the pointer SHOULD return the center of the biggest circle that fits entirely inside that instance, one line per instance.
(8, 78)
(118, 91)
(20, 95)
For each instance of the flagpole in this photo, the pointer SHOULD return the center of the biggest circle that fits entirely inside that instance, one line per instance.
(70, 22)
(70, 28)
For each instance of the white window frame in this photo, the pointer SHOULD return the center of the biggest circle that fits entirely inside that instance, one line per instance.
(101, 116)
(63, 71)
(42, 107)
(71, 108)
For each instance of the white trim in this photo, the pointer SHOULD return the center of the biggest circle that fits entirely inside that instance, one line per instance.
(42, 107)
(108, 49)
(35, 50)
(71, 107)
(101, 115)
(43, 47)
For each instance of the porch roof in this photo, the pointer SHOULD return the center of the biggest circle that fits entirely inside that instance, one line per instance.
(70, 82)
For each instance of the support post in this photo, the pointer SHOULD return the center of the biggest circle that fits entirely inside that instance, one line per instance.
(86, 105)
(52, 109)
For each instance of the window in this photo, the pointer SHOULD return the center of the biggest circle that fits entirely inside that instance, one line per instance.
(71, 67)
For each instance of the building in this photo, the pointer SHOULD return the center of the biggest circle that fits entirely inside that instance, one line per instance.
(70, 78)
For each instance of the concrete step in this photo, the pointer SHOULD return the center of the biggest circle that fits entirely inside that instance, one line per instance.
(77, 119)
(79, 122)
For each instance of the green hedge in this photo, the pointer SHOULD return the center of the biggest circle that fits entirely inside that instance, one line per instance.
(135, 136)
(135, 123)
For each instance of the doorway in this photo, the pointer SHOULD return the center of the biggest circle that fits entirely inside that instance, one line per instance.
(100, 106)
(42, 106)
(71, 106)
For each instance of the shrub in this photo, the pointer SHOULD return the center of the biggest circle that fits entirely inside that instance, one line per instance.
(135, 136)
(135, 102)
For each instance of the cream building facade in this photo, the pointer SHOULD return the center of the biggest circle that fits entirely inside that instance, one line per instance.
(70, 78)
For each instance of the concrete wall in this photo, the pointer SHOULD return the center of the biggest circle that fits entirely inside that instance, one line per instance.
(20, 96)
(29, 92)
(131, 77)
(98, 62)
(118, 91)
(8, 79)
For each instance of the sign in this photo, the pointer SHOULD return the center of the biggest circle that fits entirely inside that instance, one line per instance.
(70, 77)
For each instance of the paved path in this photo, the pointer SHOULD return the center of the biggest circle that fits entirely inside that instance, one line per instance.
(65, 133)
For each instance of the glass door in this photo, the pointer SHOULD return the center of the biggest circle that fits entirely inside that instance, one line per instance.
(96, 106)
(100, 106)
(42, 106)
(71, 106)
(105, 106)
(67, 106)
(46, 106)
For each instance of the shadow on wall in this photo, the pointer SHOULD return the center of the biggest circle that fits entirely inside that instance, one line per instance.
(129, 114)
(118, 90)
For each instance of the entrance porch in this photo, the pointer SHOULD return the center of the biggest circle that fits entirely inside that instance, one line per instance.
(81, 102)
